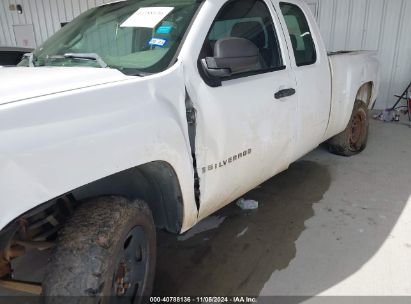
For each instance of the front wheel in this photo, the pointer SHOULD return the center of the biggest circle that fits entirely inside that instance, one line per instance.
(353, 140)
(105, 254)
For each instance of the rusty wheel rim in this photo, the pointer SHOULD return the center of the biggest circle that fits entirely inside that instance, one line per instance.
(130, 276)
(357, 130)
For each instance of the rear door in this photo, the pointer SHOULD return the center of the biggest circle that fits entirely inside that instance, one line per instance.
(244, 134)
(309, 61)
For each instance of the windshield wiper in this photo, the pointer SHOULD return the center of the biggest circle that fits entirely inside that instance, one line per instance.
(30, 58)
(88, 56)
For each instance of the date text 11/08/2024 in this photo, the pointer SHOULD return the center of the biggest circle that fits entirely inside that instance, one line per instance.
(210, 300)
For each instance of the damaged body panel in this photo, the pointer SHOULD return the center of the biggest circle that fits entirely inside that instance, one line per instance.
(96, 136)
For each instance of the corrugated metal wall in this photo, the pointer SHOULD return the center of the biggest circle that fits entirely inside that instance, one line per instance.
(345, 24)
(45, 16)
(382, 25)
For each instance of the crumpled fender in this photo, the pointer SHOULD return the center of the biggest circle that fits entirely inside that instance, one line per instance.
(54, 144)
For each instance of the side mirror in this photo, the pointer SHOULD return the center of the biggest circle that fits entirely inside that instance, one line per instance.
(231, 56)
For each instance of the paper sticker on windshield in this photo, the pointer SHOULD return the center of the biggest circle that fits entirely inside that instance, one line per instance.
(147, 17)
(164, 29)
(158, 42)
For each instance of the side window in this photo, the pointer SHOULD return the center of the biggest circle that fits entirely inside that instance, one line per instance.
(249, 19)
(300, 34)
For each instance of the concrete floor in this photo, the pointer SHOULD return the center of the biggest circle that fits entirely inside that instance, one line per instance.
(328, 226)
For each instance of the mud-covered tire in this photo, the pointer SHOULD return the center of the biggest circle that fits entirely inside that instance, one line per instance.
(353, 140)
(95, 248)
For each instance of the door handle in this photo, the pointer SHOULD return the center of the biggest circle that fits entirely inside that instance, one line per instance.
(284, 93)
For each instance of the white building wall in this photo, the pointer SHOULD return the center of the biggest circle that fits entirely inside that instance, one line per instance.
(382, 25)
(44, 15)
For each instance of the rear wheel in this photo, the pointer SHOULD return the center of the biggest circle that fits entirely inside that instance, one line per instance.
(353, 139)
(105, 254)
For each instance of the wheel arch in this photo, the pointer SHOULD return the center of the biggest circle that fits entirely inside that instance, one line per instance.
(365, 93)
(156, 183)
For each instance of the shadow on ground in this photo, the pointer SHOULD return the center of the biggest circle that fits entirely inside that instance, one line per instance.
(282, 249)
(239, 257)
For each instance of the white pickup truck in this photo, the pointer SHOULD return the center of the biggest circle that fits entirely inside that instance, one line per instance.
(157, 113)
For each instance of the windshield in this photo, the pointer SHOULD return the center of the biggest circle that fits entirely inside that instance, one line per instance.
(135, 37)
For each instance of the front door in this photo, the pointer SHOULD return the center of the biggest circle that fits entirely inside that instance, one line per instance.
(245, 135)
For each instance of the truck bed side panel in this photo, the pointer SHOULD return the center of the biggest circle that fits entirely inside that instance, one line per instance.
(350, 71)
